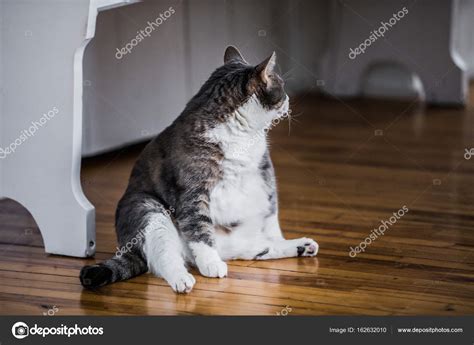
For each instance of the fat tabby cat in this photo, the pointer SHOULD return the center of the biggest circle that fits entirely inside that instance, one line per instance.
(191, 201)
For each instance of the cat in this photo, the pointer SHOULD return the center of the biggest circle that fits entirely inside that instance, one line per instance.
(191, 201)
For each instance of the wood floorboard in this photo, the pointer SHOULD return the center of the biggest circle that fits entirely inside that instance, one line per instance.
(341, 170)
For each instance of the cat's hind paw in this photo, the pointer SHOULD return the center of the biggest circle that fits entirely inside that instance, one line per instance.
(214, 269)
(307, 247)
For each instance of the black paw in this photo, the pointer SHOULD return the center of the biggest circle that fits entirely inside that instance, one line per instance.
(95, 276)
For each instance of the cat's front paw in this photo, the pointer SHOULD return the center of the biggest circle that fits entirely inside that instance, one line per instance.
(213, 269)
(182, 282)
(307, 247)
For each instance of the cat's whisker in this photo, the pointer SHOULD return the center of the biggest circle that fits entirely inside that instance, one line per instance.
(296, 121)
(292, 118)
(297, 114)
(289, 116)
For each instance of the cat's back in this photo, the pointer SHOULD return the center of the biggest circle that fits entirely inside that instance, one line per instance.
(147, 168)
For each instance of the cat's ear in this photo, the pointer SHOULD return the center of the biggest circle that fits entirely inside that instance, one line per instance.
(232, 53)
(265, 69)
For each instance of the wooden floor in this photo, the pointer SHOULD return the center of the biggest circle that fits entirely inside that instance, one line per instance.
(344, 168)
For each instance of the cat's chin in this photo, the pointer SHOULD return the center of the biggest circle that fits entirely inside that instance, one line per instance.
(283, 110)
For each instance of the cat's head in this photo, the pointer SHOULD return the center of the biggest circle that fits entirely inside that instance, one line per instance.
(254, 95)
(264, 87)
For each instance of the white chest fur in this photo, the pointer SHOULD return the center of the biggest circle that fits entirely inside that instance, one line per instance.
(240, 193)
(239, 196)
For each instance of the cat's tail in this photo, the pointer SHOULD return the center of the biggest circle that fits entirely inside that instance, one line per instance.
(118, 268)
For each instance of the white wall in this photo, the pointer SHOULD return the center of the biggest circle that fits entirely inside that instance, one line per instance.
(131, 98)
(464, 34)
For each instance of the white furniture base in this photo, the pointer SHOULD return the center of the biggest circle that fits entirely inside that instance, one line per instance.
(41, 116)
